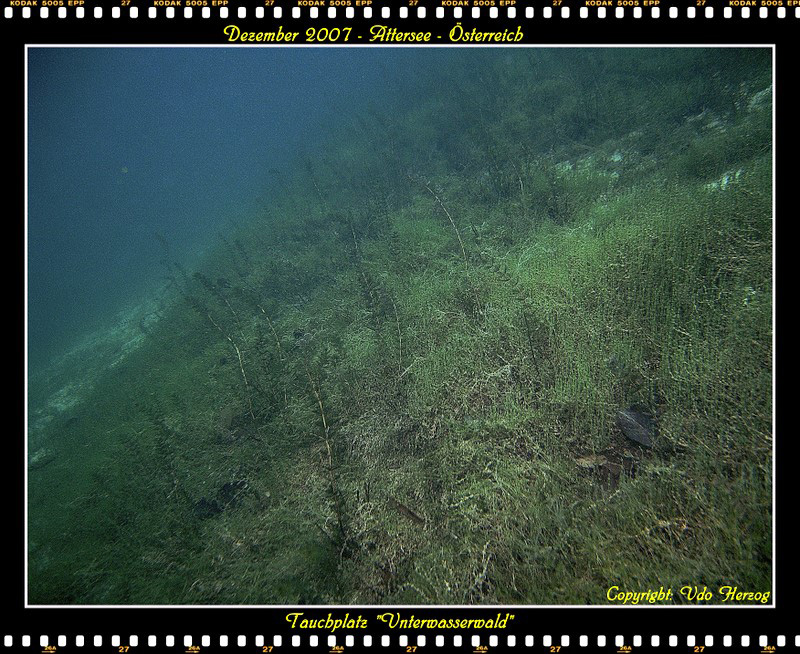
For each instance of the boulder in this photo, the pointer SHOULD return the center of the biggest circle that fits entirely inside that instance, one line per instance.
(637, 425)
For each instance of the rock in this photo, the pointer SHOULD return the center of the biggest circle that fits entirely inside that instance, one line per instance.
(637, 426)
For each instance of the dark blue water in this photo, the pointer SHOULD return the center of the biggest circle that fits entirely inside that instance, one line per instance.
(127, 142)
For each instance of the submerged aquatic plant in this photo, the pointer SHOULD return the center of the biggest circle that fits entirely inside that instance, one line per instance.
(407, 387)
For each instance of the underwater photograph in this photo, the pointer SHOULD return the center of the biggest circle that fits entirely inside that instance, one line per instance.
(398, 326)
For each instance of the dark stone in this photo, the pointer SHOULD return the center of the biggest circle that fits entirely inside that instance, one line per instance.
(206, 508)
(637, 426)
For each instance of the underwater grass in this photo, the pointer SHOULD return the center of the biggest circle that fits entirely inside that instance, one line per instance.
(400, 375)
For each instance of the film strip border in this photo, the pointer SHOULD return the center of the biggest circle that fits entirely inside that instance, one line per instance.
(222, 9)
(478, 643)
